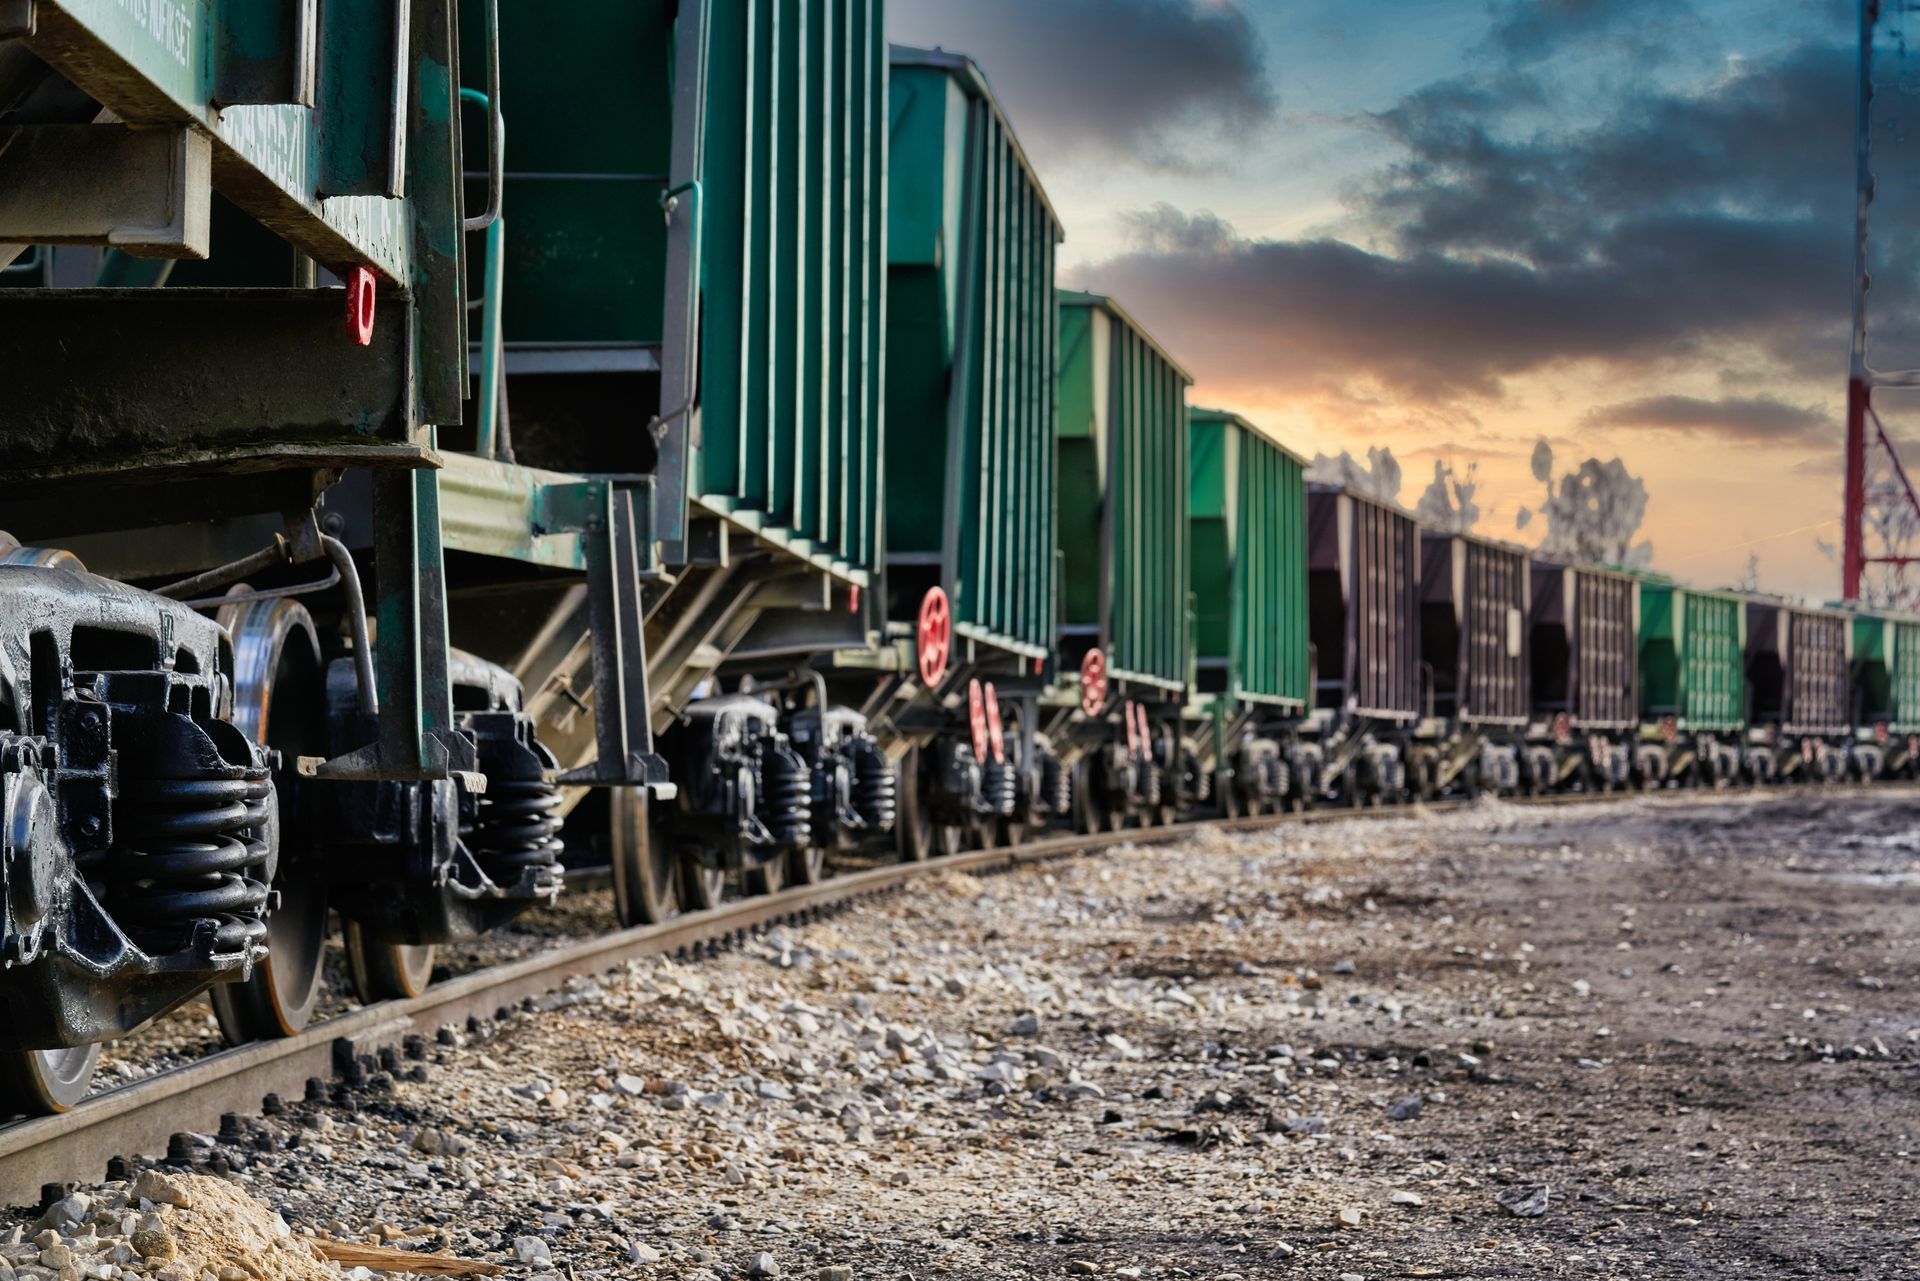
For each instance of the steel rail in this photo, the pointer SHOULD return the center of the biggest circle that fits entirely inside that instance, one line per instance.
(142, 1116)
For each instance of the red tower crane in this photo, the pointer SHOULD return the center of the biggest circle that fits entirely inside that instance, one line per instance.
(1880, 497)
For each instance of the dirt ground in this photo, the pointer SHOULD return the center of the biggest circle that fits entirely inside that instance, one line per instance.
(1350, 1050)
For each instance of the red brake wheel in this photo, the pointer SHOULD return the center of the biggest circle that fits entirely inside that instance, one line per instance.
(935, 636)
(996, 733)
(1093, 682)
(977, 719)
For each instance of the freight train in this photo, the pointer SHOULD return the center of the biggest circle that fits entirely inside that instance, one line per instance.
(402, 508)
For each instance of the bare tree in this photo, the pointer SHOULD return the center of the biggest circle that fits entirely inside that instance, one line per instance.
(1593, 513)
(1448, 502)
(1378, 477)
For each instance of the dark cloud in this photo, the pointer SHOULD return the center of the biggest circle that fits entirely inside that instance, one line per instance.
(1774, 139)
(1528, 30)
(1155, 81)
(1682, 227)
(1327, 314)
(1738, 418)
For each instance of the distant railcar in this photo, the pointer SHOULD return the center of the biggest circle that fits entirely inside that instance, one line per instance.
(1253, 667)
(1473, 647)
(1582, 642)
(1886, 693)
(1363, 609)
(1693, 684)
(1123, 546)
(1799, 686)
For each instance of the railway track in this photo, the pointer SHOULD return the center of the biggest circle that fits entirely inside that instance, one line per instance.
(142, 1117)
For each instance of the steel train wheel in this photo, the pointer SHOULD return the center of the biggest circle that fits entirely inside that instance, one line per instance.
(387, 971)
(1093, 809)
(769, 877)
(702, 888)
(807, 866)
(43, 1082)
(914, 828)
(279, 701)
(646, 890)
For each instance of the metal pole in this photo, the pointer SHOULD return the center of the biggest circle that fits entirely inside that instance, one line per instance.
(1853, 515)
(1854, 555)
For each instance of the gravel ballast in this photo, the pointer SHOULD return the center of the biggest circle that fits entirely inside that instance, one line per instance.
(1633, 1039)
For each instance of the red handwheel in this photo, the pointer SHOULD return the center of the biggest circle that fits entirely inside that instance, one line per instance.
(1093, 682)
(935, 637)
(977, 719)
(361, 299)
(996, 734)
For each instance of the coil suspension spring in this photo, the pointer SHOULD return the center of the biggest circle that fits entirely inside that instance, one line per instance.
(517, 828)
(1150, 781)
(1276, 776)
(1056, 782)
(787, 786)
(190, 851)
(1199, 781)
(1002, 786)
(876, 787)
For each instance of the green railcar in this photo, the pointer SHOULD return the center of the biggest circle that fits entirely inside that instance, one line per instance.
(1123, 496)
(972, 370)
(701, 238)
(1886, 671)
(1247, 500)
(1692, 656)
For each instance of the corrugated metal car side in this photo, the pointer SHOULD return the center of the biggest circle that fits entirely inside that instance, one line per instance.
(972, 329)
(1906, 676)
(1798, 667)
(1715, 689)
(1582, 645)
(1886, 671)
(1606, 627)
(786, 185)
(1819, 694)
(1692, 656)
(1124, 485)
(1363, 586)
(1248, 557)
(794, 271)
(1473, 628)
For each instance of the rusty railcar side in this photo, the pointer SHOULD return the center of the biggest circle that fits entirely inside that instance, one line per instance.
(1363, 587)
(1582, 637)
(1473, 610)
(1797, 668)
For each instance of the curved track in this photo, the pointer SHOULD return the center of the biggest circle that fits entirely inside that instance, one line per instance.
(142, 1116)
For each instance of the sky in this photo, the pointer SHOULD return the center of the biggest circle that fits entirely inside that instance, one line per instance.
(1459, 227)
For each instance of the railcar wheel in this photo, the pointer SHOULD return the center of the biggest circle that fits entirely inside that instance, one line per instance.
(769, 877)
(43, 1082)
(280, 702)
(914, 828)
(645, 889)
(701, 887)
(387, 971)
(1227, 796)
(807, 866)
